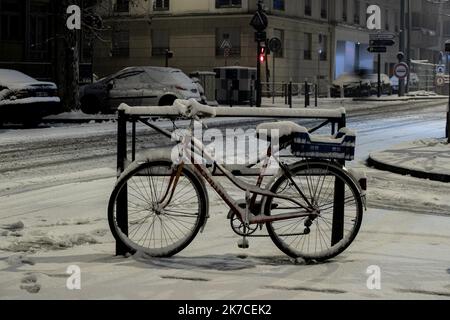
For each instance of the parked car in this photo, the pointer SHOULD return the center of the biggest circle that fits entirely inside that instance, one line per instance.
(137, 86)
(395, 82)
(26, 100)
(385, 83)
(353, 85)
(360, 85)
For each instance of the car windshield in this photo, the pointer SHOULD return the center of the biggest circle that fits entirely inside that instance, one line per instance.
(13, 76)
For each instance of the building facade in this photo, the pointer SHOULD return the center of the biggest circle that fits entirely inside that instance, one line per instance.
(324, 38)
(31, 38)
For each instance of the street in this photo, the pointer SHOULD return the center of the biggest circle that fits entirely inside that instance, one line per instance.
(57, 180)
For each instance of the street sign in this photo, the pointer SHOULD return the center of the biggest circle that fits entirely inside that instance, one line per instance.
(377, 49)
(275, 45)
(226, 52)
(382, 36)
(226, 44)
(440, 69)
(401, 70)
(381, 43)
(259, 21)
(440, 81)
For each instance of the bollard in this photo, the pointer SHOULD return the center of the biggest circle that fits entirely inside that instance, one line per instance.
(252, 89)
(230, 94)
(306, 94)
(290, 94)
(285, 93)
(316, 95)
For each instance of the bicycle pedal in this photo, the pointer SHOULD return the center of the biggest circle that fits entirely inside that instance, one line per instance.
(243, 244)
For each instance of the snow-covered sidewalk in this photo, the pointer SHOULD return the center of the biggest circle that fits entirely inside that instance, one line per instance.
(45, 231)
(427, 158)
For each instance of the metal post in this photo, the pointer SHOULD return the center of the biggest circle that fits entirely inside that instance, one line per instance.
(290, 94)
(379, 76)
(408, 44)
(306, 94)
(285, 93)
(133, 140)
(273, 80)
(230, 93)
(448, 113)
(401, 82)
(316, 95)
(122, 199)
(339, 201)
(258, 77)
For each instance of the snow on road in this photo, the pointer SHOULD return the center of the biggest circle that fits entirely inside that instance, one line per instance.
(54, 190)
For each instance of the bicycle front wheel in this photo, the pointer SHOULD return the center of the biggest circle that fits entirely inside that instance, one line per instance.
(333, 194)
(160, 223)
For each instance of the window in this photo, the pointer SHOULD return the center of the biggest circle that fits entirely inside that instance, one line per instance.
(278, 5)
(228, 4)
(122, 6)
(308, 46)
(386, 19)
(161, 5)
(323, 47)
(11, 21)
(278, 33)
(231, 36)
(324, 9)
(344, 10)
(130, 80)
(160, 42)
(120, 43)
(308, 8)
(357, 12)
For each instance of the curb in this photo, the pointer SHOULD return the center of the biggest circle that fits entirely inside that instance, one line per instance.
(406, 99)
(371, 162)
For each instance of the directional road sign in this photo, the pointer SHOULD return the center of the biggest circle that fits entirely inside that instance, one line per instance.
(377, 49)
(381, 43)
(382, 36)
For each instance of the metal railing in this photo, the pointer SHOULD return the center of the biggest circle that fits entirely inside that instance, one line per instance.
(336, 118)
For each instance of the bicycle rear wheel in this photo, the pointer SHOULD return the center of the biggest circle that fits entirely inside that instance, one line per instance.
(153, 228)
(338, 223)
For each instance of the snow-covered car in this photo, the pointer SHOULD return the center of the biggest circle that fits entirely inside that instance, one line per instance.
(352, 84)
(137, 86)
(385, 83)
(26, 100)
(395, 82)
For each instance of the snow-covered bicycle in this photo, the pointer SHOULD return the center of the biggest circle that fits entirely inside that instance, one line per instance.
(312, 208)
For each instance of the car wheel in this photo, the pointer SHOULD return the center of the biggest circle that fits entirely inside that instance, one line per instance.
(90, 105)
(167, 100)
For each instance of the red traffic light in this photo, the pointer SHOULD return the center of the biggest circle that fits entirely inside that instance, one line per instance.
(262, 55)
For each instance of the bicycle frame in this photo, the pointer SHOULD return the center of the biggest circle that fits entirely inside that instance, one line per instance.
(191, 147)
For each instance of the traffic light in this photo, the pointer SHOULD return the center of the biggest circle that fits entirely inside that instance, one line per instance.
(262, 55)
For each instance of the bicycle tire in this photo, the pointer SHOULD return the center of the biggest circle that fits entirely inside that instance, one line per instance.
(200, 220)
(335, 249)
